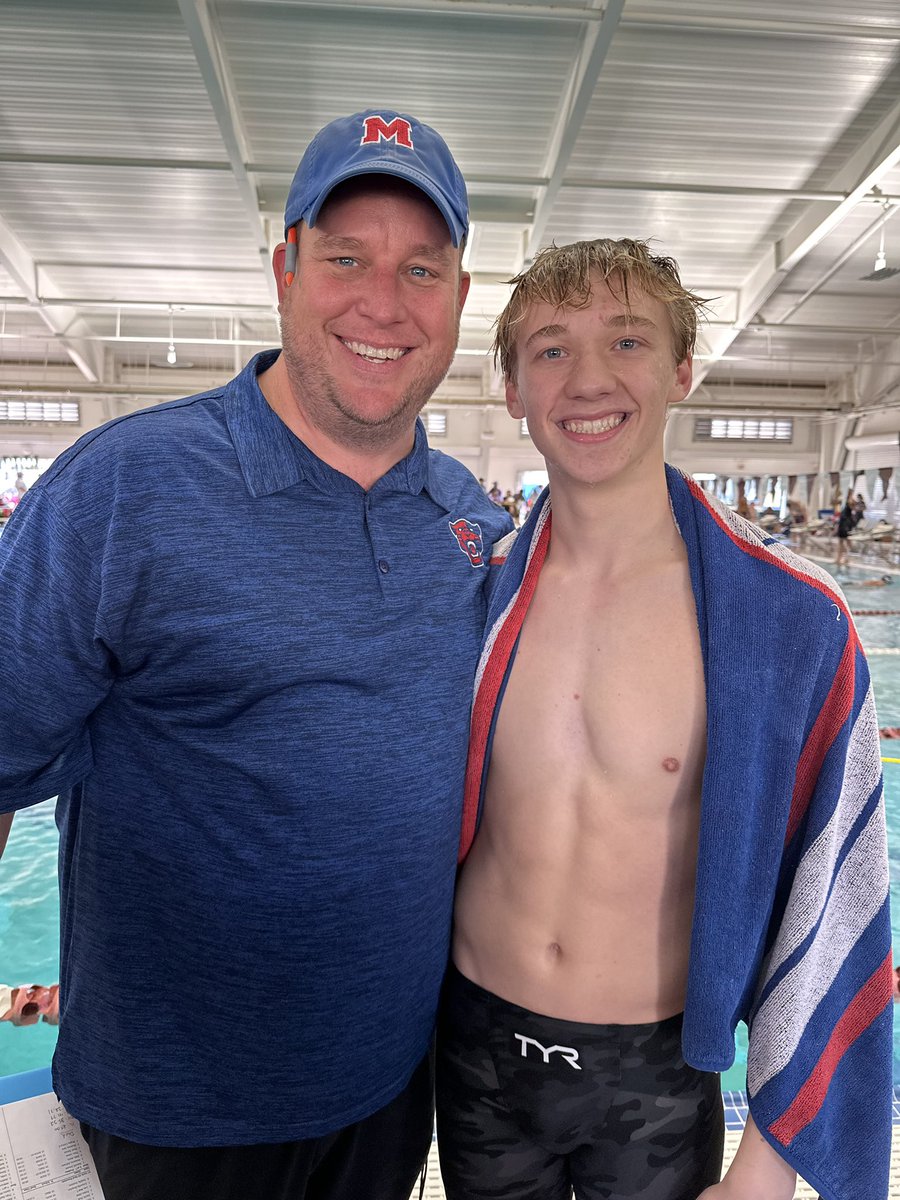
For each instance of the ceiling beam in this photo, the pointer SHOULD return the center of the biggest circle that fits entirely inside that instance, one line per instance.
(207, 49)
(765, 26)
(579, 90)
(857, 244)
(873, 158)
(63, 322)
(662, 186)
(497, 9)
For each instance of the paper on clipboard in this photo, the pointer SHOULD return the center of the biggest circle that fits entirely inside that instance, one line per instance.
(42, 1153)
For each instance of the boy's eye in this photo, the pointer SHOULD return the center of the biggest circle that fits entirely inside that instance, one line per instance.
(552, 352)
(627, 343)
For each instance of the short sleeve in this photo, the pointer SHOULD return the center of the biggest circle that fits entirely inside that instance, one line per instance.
(56, 665)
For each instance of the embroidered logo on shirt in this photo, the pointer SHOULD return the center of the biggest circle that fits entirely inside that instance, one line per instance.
(470, 541)
(569, 1053)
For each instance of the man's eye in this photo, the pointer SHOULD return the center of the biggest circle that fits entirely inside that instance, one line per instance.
(420, 272)
(344, 260)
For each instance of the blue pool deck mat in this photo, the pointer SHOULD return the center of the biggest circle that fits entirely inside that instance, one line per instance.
(26, 1085)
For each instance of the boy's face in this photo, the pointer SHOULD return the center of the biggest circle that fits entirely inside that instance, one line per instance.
(595, 383)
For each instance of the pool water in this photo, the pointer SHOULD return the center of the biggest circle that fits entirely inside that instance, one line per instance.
(29, 917)
(29, 929)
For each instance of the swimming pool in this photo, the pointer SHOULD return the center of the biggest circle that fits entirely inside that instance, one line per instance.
(29, 920)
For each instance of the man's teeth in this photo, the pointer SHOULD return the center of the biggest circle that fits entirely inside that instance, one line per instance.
(602, 426)
(373, 353)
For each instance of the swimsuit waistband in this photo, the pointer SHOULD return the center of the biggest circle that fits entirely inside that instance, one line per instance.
(460, 985)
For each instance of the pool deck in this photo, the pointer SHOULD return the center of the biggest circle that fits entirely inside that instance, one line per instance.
(735, 1118)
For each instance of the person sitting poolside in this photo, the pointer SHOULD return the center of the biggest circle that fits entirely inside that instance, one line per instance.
(26, 1005)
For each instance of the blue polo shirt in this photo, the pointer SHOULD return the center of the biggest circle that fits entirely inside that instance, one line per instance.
(248, 680)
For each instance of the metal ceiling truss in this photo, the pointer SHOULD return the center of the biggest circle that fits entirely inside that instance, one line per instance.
(876, 155)
(214, 72)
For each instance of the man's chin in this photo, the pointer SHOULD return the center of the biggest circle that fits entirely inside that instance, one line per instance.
(375, 414)
(372, 426)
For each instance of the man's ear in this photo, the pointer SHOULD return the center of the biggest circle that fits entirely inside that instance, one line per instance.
(465, 280)
(278, 269)
(514, 405)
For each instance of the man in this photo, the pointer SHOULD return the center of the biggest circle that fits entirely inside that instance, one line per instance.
(653, 650)
(252, 702)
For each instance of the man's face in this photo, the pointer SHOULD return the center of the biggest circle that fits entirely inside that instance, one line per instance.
(371, 322)
(595, 384)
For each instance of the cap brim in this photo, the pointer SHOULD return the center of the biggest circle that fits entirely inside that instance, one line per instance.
(457, 228)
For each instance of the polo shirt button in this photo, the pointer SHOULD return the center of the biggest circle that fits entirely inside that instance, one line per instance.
(383, 566)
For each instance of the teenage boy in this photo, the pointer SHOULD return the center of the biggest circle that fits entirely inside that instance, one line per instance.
(674, 775)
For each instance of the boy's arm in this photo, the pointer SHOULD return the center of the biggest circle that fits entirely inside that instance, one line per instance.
(756, 1171)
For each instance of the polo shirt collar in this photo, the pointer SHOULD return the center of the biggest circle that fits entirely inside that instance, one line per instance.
(272, 458)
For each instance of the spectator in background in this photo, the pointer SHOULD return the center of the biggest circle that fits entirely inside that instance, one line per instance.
(521, 508)
(745, 509)
(28, 1004)
(846, 522)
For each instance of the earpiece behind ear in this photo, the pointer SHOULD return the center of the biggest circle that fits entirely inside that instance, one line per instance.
(290, 256)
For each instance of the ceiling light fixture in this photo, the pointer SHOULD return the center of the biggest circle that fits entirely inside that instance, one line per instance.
(881, 270)
(171, 356)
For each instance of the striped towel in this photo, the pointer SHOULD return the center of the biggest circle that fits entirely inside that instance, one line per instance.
(791, 927)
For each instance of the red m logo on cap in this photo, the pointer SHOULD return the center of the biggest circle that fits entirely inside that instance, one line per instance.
(378, 130)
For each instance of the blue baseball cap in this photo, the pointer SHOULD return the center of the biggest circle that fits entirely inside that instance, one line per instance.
(379, 142)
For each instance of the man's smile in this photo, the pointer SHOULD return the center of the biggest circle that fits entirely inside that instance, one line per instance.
(375, 353)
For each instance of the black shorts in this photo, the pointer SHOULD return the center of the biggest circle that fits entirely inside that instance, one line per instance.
(378, 1158)
(532, 1108)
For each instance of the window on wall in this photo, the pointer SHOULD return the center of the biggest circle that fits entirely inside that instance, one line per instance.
(436, 423)
(523, 428)
(743, 429)
(39, 410)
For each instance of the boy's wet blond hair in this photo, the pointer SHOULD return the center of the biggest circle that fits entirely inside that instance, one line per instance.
(563, 276)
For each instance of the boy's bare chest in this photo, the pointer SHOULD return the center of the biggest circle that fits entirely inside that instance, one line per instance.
(610, 681)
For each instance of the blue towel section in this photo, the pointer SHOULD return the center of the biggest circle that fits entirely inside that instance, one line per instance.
(22, 1087)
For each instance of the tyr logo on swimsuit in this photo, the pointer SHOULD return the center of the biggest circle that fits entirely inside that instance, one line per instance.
(568, 1052)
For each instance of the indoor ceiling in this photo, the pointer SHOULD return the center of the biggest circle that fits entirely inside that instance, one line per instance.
(146, 149)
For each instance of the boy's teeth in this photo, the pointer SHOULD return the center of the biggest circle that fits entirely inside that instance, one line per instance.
(373, 353)
(602, 426)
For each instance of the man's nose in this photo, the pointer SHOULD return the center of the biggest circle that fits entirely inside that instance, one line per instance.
(381, 297)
